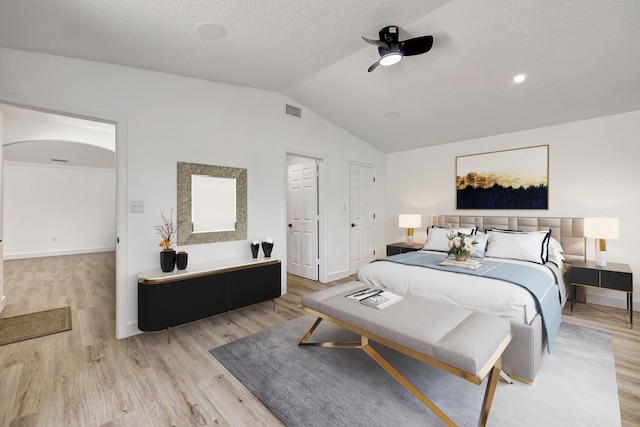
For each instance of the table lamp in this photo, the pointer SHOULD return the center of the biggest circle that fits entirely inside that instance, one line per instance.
(409, 221)
(601, 229)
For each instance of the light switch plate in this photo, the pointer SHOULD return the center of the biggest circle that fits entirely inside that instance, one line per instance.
(136, 206)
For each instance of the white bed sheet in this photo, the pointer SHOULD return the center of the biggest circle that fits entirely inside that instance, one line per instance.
(476, 293)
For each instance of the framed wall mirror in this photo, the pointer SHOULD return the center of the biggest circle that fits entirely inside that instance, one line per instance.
(212, 203)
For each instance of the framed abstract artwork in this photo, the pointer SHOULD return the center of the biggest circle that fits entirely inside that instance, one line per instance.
(509, 179)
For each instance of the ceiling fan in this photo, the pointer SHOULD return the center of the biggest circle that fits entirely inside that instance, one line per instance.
(391, 50)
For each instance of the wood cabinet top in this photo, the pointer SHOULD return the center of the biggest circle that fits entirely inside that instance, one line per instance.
(157, 276)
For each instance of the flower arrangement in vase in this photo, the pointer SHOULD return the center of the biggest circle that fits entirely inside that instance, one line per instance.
(461, 245)
(267, 246)
(167, 231)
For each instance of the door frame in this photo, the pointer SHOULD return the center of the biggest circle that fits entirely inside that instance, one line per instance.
(122, 330)
(322, 208)
(352, 270)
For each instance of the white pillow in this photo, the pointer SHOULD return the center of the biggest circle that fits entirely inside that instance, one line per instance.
(546, 248)
(481, 246)
(555, 247)
(555, 251)
(437, 239)
(526, 246)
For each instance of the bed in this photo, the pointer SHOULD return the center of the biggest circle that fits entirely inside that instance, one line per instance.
(523, 357)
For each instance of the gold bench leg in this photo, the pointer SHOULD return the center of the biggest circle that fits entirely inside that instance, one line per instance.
(490, 391)
(492, 380)
(305, 339)
(404, 382)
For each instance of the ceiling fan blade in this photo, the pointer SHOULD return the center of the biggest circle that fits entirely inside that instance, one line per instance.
(378, 43)
(416, 46)
(373, 66)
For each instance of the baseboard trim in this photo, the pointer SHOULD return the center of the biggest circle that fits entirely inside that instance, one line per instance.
(57, 253)
(337, 276)
(130, 330)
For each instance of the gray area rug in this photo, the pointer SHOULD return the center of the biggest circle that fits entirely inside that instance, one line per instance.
(314, 386)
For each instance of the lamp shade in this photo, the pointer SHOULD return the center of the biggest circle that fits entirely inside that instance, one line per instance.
(409, 220)
(601, 228)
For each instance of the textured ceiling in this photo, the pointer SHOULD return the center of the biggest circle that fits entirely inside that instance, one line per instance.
(581, 57)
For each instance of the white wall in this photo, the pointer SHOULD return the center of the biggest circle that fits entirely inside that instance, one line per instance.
(57, 210)
(3, 300)
(163, 119)
(592, 172)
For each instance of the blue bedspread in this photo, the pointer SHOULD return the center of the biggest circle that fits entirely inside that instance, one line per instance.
(537, 282)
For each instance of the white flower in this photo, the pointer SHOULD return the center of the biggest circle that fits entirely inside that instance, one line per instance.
(268, 240)
(255, 242)
(460, 243)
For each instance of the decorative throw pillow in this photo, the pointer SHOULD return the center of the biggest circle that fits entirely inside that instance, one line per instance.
(437, 239)
(521, 245)
(481, 246)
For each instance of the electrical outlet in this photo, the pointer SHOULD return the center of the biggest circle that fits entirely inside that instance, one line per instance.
(136, 206)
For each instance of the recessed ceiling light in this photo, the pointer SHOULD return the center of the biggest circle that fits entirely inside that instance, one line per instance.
(210, 30)
(392, 115)
(519, 78)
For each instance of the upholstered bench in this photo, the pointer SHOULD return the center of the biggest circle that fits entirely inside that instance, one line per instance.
(459, 341)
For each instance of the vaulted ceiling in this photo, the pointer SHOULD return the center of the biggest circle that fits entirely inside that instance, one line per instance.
(38, 137)
(581, 58)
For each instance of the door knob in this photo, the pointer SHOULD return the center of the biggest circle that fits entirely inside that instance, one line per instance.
(289, 225)
(353, 225)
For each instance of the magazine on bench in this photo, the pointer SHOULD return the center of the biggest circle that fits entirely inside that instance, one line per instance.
(376, 298)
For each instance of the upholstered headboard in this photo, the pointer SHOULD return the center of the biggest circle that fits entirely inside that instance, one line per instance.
(568, 231)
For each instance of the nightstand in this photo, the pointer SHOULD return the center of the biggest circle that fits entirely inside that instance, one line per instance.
(402, 247)
(617, 277)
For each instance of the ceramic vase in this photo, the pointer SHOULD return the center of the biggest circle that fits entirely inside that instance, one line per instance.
(462, 257)
(267, 248)
(167, 260)
(182, 259)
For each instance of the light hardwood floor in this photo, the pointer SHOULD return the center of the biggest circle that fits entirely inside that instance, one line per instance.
(85, 377)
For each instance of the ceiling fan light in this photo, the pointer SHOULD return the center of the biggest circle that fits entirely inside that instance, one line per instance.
(390, 58)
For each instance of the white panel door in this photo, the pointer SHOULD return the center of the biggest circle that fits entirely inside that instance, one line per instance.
(362, 216)
(302, 206)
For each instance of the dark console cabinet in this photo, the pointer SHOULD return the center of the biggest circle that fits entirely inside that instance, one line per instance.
(166, 300)
(251, 286)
